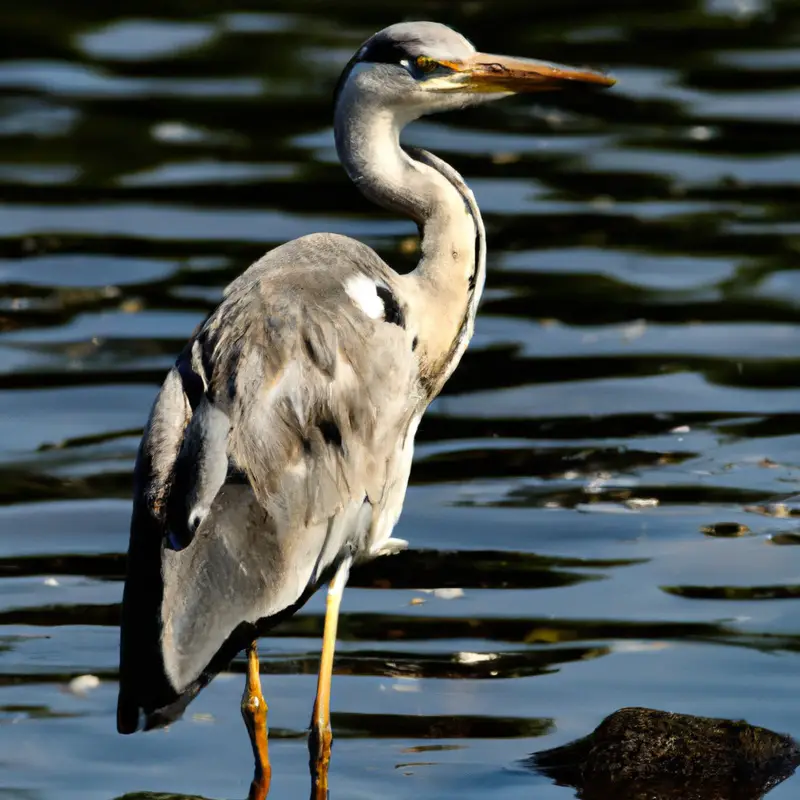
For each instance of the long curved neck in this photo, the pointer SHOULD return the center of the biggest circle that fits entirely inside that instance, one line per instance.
(446, 285)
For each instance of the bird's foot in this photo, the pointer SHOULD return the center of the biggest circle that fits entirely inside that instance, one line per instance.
(320, 741)
(391, 547)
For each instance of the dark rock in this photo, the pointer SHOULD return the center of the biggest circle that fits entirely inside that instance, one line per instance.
(645, 754)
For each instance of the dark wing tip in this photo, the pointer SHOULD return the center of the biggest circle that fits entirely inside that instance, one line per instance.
(131, 718)
(127, 716)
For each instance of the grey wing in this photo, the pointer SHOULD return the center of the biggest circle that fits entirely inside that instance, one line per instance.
(280, 441)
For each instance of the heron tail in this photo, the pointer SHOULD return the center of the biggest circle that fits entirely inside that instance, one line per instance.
(186, 614)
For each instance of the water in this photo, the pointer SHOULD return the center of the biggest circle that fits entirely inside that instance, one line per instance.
(632, 385)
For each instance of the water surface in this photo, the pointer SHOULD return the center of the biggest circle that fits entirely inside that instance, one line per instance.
(609, 479)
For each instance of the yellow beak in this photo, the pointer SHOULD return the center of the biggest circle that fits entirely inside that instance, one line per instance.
(492, 73)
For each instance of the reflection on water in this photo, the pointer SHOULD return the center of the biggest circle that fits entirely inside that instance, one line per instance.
(630, 399)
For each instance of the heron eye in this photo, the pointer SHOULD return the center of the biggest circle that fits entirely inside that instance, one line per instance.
(426, 64)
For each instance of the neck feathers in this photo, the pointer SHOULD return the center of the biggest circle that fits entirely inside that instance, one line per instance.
(446, 286)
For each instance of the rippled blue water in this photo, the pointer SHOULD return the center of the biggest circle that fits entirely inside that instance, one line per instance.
(632, 385)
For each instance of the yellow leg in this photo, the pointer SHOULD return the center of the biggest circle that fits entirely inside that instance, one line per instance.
(319, 743)
(254, 711)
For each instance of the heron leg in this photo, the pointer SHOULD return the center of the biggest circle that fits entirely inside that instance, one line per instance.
(321, 738)
(254, 711)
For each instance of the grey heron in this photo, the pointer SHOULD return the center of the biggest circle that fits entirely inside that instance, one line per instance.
(278, 450)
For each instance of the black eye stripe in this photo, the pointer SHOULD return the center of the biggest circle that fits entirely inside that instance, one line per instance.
(385, 51)
(378, 51)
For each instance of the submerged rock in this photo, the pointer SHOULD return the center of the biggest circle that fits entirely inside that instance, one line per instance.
(645, 754)
(159, 796)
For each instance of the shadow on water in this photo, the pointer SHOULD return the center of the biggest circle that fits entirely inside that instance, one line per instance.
(604, 498)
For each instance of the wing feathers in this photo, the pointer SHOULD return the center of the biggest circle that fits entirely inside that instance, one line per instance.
(161, 444)
(290, 385)
(199, 472)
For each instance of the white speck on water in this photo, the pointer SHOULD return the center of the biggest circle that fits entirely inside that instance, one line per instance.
(602, 508)
(639, 647)
(701, 133)
(641, 502)
(407, 685)
(445, 594)
(175, 132)
(475, 658)
(83, 684)
(51, 582)
(599, 482)
(635, 330)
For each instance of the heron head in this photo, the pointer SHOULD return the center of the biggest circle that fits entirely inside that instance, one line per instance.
(419, 68)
